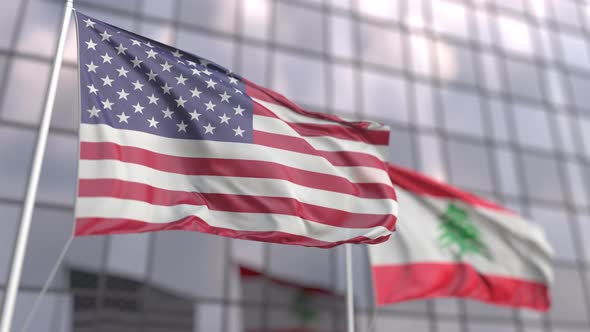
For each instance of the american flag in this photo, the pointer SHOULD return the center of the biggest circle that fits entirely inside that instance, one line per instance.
(171, 141)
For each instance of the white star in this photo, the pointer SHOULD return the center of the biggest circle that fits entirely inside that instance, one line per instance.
(182, 126)
(239, 110)
(196, 72)
(238, 91)
(107, 81)
(196, 93)
(207, 72)
(153, 99)
(105, 36)
(224, 118)
(195, 115)
(137, 85)
(151, 76)
(239, 131)
(135, 42)
(93, 112)
(209, 128)
(180, 79)
(122, 94)
(92, 67)
(122, 71)
(136, 62)
(167, 113)
(123, 117)
(180, 102)
(179, 61)
(225, 97)
(153, 122)
(120, 49)
(151, 54)
(106, 58)
(166, 66)
(89, 23)
(107, 104)
(149, 45)
(210, 84)
(204, 62)
(210, 106)
(191, 63)
(91, 45)
(233, 80)
(177, 54)
(166, 88)
(92, 89)
(138, 108)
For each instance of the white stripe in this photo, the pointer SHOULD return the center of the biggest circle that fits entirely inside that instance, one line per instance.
(517, 248)
(260, 222)
(276, 126)
(114, 169)
(229, 150)
(289, 115)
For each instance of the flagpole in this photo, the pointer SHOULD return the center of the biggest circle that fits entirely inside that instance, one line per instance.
(33, 183)
(349, 289)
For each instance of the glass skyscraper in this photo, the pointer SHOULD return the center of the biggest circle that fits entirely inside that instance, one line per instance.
(492, 96)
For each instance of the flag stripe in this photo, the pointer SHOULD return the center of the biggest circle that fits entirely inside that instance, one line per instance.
(230, 203)
(230, 168)
(395, 283)
(229, 150)
(111, 208)
(114, 169)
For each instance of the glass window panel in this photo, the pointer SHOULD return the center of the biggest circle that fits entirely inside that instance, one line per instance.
(24, 97)
(86, 252)
(490, 327)
(51, 308)
(220, 51)
(476, 308)
(455, 63)
(341, 36)
(585, 130)
(300, 79)
(163, 33)
(66, 108)
(583, 221)
(384, 9)
(253, 64)
(491, 72)
(509, 182)
(539, 8)
(557, 229)
(58, 177)
(345, 4)
(532, 127)
(580, 86)
(211, 14)
(517, 5)
(575, 51)
(420, 59)
(470, 165)
(542, 178)
(446, 306)
(483, 27)
(450, 18)
(423, 97)
(546, 38)
(448, 326)
(414, 15)
(497, 115)
(10, 217)
(515, 35)
(209, 317)
(523, 79)
(40, 28)
(343, 88)
(401, 147)
(566, 132)
(555, 87)
(380, 92)
(14, 171)
(128, 255)
(71, 47)
(159, 8)
(381, 46)
(431, 162)
(577, 183)
(566, 12)
(462, 112)
(567, 296)
(256, 18)
(299, 27)
(388, 323)
(8, 19)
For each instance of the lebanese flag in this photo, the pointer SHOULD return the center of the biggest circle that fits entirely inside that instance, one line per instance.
(454, 244)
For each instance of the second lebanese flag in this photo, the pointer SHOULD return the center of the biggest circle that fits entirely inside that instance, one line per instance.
(452, 243)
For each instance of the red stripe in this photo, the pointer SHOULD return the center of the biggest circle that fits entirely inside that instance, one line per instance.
(396, 283)
(423, 185)
(105, 226)
(262, 93)
(232, 167)
(336, 158)
(375, 137)
(232, 203)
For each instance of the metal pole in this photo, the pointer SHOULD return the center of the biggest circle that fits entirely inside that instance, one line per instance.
(349, 289)
(27, 212)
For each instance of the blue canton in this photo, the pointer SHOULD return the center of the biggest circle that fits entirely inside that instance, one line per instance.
(131, 82)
